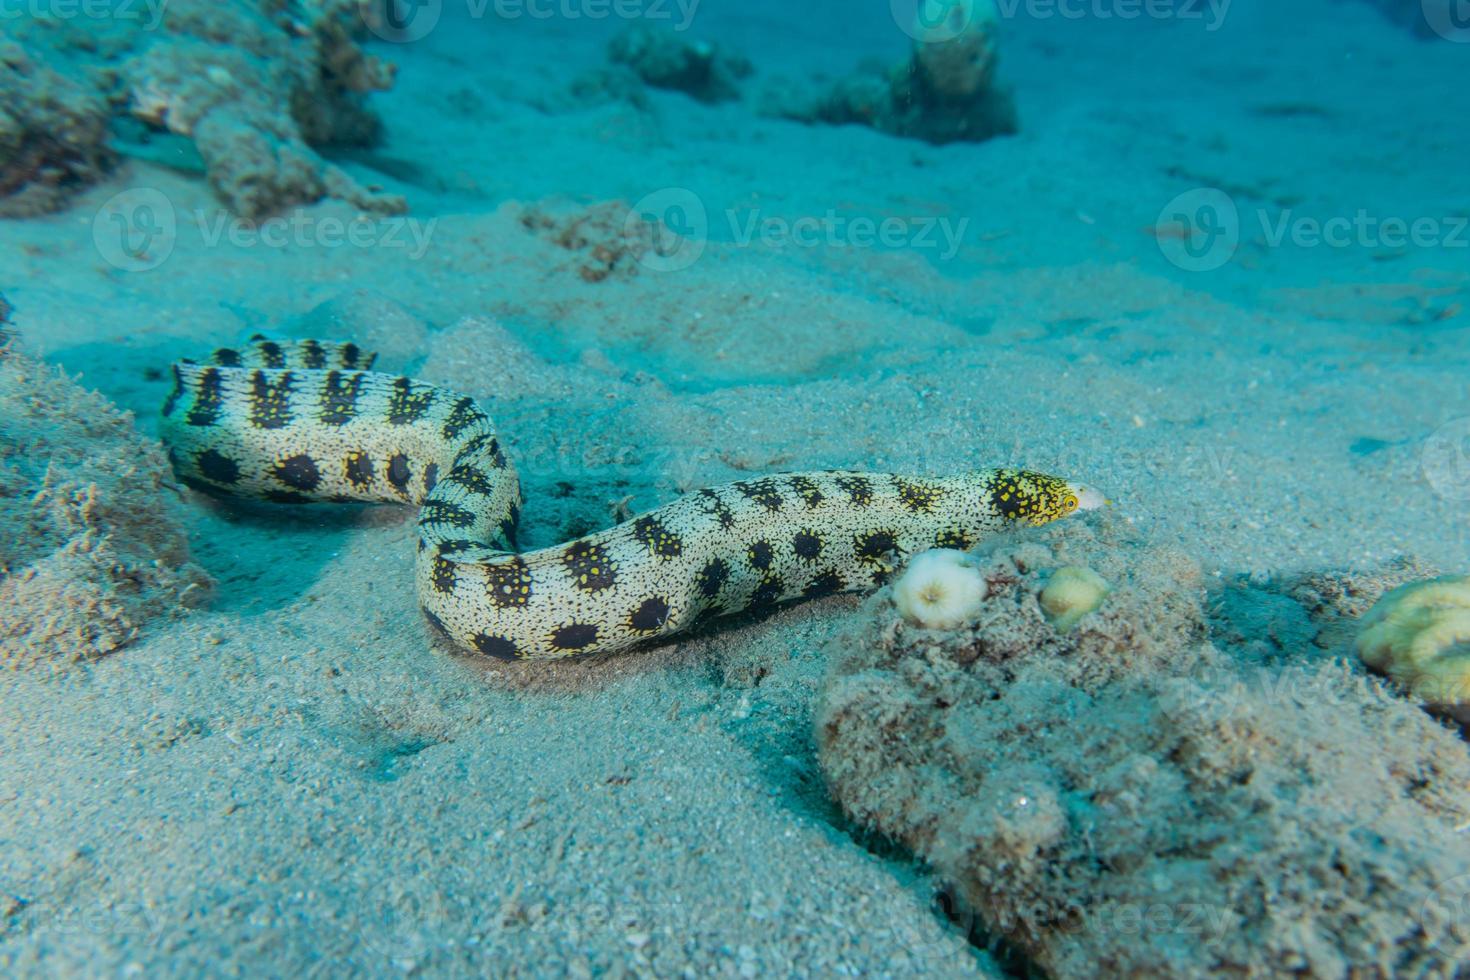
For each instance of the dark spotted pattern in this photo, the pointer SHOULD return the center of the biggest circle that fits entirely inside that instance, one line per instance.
(307, 420)
(312, 355)
(712, 578)
(444, 512)
(270, 399)
(443, 576)
(472, 478)
(508, 584)
(340, 393)
(715, 506)
(807, 545)
(658, 539)
(299, 472)
(763, 492)
(767, 594)
(475, 447)
(217, 467)
(859, 490)
(496, 646)
(207, 399)
(463, 415)
(875, 547)
(578, 636)
(358, 469)
(954, 538)
(807, 491)
(399, 473)
(917, 498)
(271, 354)
(408, 404)
(589, 567)
(651, 616)
(825, 584)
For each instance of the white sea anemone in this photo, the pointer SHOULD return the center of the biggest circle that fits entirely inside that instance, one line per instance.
(940, 589)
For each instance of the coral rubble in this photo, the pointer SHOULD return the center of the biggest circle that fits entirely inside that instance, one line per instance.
(91, 547)
(53, 134)
(1123, 798)
(660, 58)
(946, 92)
(255, 85)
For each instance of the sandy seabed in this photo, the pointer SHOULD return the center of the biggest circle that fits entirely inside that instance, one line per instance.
(291, 777)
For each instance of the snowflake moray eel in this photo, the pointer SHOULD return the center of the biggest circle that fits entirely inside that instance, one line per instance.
(311, 421)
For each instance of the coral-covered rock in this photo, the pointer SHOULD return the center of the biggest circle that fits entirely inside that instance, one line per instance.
(1337, 600)
(662, 59)
(1419, 634)
(255, 85)
(91, 546)
(53, 134)
(957, 47)
(945, 93)
(1123, 799)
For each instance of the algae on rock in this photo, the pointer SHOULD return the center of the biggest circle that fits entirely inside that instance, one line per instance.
(1124, 798)
(91, 543)
(257, 85)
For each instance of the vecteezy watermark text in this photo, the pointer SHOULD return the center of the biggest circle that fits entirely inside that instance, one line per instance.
(670, 229)
(405, 21)
(138, 229)
(300, 231)
(1211, 13)
(147, 13)
(936, 21)
(1450, 19)
(1202, 230)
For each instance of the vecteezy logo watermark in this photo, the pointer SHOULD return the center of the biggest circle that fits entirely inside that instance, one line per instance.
(669, 230)
(147, 13)
(404, 21)
(1450, 19)
(935, 21)
(1211, 13)
(1445, 912)
(300, 230)
(835, 230)
(1364, 230)
(1199, 231)
(1445, 460)
(135, 231)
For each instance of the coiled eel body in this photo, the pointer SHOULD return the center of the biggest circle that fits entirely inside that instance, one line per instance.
(311, 421)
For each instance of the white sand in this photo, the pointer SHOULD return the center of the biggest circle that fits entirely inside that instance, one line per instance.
(295, 781)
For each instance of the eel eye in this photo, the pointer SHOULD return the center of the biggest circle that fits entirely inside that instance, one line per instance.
(1070, 503)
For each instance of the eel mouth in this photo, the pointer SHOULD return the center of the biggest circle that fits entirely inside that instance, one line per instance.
(1088, 498)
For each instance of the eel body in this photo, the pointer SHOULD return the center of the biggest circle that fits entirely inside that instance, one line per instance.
(311, 421)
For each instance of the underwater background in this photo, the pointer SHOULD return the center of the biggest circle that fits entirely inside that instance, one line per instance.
(1211, 258)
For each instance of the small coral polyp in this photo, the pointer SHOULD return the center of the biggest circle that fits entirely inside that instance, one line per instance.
(1419, 634)
(1072, 592)
(940, 589)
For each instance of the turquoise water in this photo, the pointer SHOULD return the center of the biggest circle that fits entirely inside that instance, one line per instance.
(1210, 260)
